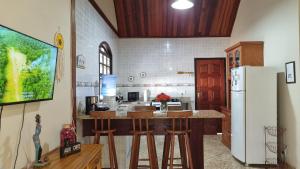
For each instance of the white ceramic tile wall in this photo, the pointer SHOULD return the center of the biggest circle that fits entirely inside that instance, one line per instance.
(91, 30)
(161, 58)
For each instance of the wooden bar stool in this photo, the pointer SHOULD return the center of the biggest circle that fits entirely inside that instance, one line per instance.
(104, 117)
(144, 108)
(140, 125)
(181, 130)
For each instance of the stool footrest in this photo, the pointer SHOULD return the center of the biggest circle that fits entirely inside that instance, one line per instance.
(176, 165)
(143, 166)
(144, 159)
(177, 158)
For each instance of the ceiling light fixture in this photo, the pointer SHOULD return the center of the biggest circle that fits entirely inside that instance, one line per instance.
(182, 4)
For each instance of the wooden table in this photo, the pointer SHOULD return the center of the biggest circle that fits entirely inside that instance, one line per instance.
(159, 124)
(88, 158)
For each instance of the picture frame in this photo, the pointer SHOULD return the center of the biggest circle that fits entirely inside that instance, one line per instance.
(290, 72)
(81, 62)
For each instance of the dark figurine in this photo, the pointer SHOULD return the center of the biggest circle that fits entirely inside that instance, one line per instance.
(36, 139)
(37, 144)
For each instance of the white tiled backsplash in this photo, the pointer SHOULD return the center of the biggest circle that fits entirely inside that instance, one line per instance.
(161, 59)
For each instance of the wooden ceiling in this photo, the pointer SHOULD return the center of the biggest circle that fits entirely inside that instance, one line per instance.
(156, 18)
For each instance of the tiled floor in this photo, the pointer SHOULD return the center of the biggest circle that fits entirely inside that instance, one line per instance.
(217, 156)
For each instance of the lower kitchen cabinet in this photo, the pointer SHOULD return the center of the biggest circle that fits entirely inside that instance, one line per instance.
(226, 127)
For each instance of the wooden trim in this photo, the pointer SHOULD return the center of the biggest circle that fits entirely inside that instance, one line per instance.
(195, 59)
(73, 59)
(234, 17)
(101, 13)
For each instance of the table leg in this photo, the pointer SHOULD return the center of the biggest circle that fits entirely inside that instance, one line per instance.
(196, 142)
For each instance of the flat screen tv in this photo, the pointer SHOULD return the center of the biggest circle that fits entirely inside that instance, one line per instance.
(27, 68)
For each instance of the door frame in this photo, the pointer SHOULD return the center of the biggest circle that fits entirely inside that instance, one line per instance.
(195, 78)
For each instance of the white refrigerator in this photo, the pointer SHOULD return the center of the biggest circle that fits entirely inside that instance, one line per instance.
(253, 106)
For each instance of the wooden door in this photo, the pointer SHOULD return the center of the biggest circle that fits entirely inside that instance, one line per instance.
(210, 89)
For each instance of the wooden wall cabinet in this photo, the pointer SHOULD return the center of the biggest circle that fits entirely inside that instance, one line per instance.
(244, 53)
(247, 53)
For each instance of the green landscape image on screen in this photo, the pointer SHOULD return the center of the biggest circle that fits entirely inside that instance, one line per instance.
(27, 68)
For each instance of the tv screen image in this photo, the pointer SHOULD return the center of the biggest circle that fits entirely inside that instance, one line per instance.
(27, 68)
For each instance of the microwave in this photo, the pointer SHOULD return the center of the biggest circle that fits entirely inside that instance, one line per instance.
(133, 96)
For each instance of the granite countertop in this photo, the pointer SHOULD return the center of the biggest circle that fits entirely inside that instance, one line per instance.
(200, 114)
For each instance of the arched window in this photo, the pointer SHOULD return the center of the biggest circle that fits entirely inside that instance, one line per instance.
(105, 63)
(105, 59)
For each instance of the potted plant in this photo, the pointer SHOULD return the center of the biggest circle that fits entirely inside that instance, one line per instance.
(163, 98)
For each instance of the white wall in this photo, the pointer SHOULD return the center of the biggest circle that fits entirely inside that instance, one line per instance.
(40, 19)
(276, 22)
(91, 30)
(161, 59)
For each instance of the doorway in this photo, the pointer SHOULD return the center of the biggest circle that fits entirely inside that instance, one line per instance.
(210, 89)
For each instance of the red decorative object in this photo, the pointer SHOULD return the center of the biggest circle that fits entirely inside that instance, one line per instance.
(67, 136)
(162, 97)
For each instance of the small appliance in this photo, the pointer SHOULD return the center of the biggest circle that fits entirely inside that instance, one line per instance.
(90, 104)
(157, 105)
(101, 106)
(133, 96)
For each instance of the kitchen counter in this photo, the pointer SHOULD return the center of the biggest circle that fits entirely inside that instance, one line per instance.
(202, 114)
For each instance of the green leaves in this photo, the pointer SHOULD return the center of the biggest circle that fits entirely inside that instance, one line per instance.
(3, 63)
(37, 82)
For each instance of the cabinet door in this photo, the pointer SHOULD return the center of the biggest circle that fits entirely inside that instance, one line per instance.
(231, 59)
(237, 57)
(230, 64)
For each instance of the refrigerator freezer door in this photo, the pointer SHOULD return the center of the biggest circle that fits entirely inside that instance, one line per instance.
(238, 80)
(238, 142)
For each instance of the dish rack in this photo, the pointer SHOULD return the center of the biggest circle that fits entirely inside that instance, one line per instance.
(274, 145)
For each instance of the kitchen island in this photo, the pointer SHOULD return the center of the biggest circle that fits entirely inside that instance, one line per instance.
(159, 123)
